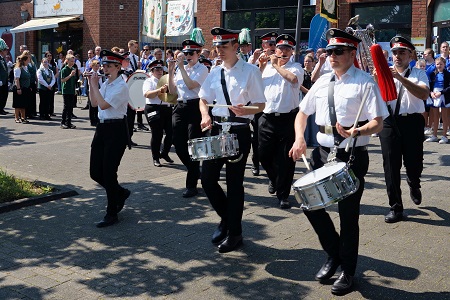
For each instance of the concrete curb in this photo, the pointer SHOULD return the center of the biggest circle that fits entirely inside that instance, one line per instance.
(59, 193)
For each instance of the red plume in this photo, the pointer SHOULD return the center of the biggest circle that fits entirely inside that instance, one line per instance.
(385, 79)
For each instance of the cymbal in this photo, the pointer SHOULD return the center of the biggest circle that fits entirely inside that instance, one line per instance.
(167, 97)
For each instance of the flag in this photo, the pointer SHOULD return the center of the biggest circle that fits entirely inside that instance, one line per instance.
(180, 18)
(328, 10)
(152, 18)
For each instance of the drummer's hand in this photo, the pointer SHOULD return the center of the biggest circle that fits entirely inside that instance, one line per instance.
(298, 148)
(205, 124)
(240, 110)
(345, 133)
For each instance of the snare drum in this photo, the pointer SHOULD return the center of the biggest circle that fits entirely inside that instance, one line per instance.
(135, 83)
(213, 147)
(325, 186)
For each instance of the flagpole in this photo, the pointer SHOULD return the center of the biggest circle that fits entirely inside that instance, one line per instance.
(165, 31)
(298, 29)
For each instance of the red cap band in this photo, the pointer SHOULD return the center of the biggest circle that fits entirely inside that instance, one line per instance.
(192, 47)
(225, 37)
(285, 42)
(341, 40)
(401, 45)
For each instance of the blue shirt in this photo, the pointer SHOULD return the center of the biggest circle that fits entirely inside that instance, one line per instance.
(439, 83)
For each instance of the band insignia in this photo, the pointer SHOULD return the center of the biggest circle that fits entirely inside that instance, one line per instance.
(331, 32)
(218, 37)
(217, 30)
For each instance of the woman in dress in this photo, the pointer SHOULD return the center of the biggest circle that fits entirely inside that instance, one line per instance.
(22, 90)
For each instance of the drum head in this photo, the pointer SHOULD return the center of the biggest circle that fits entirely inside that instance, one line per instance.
(135, 83)
(169, 98)
(319, 174)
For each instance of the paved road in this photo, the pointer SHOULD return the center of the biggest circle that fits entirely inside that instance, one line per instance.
(161, 248)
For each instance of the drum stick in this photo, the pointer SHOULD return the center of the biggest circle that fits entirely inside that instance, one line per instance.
(306, 162)
(205, 129)
(224, 105)
(366, 94)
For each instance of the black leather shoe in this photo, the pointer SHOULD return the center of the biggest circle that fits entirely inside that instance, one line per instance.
(328, 269)
(232, 242)
(107, 221)
(255, 170)
(284, 204)
(416, 195)
(271, 188)
(166, 158)
(190, 192)
(393, 217)
(219, 234)
(126, 194)
(156, 163)
(342, 285)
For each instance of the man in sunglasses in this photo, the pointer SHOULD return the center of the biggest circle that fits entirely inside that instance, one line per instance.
(336, 98)
(282, 79)
(403, 132)
(268, 44)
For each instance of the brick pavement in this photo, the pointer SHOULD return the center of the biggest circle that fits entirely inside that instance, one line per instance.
(161, 248)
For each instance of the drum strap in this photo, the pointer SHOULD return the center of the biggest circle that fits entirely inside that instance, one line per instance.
(397, 105)
(331, 109)
(225, 91)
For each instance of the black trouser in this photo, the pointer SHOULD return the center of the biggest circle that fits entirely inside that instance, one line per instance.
(67, 109)
(31, 102)
(107, 149)
(93, 111)
(341, 246)
(51, 105)
(160, 121)
(276, 136)
(131, 115)
(3, 96)
(45, 97)
(409, 146)
(255, 143)
(230, 206)
(186, 120)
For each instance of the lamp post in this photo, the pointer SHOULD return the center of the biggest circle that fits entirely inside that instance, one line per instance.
(24, 15)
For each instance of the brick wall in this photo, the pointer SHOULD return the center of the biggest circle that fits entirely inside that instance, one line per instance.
(209, 15)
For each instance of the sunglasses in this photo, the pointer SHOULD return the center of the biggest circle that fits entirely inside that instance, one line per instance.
(189, 53)
(271, 44)
(337, 51)
(146, 49)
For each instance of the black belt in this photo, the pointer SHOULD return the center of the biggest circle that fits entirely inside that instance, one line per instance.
(323, 129)
(244, 121)
(294, 111)
(189, 101)
(407, 115)
(342, 150)
(111, 121)
(161, 105)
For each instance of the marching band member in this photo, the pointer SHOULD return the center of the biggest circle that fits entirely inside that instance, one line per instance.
(343, 88)
(282, 79)
(403, 132)
(186, 116)
(268, 47)
(243, 84)
(158, 113)
(111, 138)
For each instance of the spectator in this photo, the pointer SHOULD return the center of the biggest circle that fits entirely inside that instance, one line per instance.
(31, 110)
(68, 80)
(46, 81)
(21, 90)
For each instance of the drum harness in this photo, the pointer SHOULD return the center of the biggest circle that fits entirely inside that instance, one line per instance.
(337, 137)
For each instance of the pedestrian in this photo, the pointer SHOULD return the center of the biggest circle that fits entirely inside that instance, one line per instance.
(69, 78)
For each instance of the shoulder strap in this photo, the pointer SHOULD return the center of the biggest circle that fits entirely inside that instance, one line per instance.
(400, 94)
(225, 91)
(331, 108)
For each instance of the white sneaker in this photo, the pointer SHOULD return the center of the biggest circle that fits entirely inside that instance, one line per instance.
(444, 140)
(448, 132)
(374, 135)
(428, 130)
(432, 139)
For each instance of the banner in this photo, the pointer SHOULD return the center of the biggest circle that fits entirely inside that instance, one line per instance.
(317, 31)
(52, 8)
(180, 18)
(152, 18)
(328, 10)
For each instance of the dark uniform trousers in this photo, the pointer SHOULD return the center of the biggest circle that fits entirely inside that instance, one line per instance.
(342, 246)
(408, 145)
(45, 99)
(31, 104)
(67, 109)
(107, 149)
(276, 136)
(255, 140)
(159, 123)
(3, 96)
(186, 120)
(228, 206)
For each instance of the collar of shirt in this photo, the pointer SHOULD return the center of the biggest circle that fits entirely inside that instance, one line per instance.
(238, 65)
(350, 73)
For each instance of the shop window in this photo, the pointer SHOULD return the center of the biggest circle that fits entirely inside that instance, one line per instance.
(245, 4)
(290, 17)
(267, 19)
(237, 20)
(441, 10)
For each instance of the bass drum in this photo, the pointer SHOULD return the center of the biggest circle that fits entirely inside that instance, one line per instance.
(135, 82)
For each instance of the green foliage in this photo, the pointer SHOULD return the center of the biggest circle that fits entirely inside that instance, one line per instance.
(12, 188)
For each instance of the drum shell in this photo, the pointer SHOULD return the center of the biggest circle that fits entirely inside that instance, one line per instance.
(135, 83)
(330, 189)
(213, 147)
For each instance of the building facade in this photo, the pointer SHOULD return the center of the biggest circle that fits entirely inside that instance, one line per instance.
(114, 22)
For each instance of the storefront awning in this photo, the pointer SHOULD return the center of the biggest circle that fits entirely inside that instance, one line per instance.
(42, 23)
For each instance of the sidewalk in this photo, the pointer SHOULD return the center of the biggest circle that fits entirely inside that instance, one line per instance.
(161, 247)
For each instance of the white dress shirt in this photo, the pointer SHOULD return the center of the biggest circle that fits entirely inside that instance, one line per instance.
(41, 78)
(150, 85)
(117, 95)
(198, 73)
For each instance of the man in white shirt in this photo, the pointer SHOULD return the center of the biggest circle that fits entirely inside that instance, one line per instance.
(282, 79)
